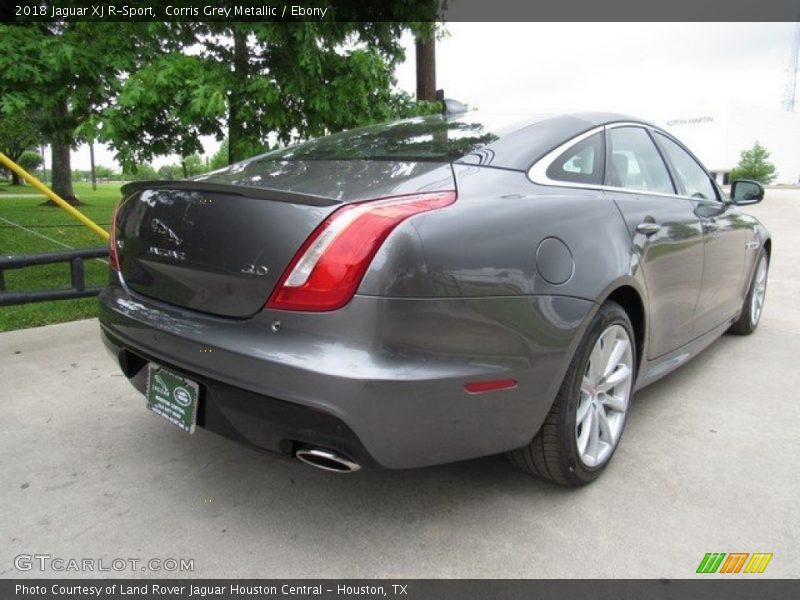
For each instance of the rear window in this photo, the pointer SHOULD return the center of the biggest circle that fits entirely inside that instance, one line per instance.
(432, 138)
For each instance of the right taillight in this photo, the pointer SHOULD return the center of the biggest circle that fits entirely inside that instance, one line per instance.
(113, 249)
(328, 268)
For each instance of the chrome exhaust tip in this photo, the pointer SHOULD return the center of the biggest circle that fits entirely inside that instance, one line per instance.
(327, 460)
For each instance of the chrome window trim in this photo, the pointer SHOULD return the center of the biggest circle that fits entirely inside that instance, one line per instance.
(538, 172)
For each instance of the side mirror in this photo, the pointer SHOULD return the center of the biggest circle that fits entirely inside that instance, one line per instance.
(746, 191)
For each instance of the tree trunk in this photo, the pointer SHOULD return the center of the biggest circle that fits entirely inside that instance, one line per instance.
(183, 166)
(62, 168)
(237, 136)
(14, 155)
(426, 68)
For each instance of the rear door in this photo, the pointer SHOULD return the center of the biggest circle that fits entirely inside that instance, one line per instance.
(665, 231)
(725, 239)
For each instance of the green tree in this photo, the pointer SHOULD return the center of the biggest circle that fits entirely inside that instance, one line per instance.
(754, 164)
(194, 165)
(70, 71)
(139, 172)
(104, 173)
(165, 107)
(220, 157)
(246, 81)
(30, 160)
(17, 135)
(170, 172)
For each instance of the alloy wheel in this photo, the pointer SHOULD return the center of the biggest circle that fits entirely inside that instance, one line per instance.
(759, 292)
(604, 396)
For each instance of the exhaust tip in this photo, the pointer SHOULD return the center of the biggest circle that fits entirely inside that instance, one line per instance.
(327, 460)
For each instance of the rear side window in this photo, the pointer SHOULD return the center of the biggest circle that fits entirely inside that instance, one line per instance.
(634, 162)
(695, 181)
(582, 163)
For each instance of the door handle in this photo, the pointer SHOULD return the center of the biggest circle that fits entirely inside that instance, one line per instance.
(648, 228)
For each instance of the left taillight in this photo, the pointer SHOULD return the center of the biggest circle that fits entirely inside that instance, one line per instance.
(329, 266)
(113, 249)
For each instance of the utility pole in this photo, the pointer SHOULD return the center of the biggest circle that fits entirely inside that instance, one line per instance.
(426, 68)
(790, 91)
(91, 162)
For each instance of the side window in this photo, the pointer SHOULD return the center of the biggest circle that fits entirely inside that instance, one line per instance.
(692, 176)
(634, 162)
(581, 163)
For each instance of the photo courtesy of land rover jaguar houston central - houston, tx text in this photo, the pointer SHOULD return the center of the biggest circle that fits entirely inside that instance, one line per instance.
(433, 289)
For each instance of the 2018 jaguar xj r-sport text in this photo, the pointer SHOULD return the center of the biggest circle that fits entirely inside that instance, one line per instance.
(432, 290)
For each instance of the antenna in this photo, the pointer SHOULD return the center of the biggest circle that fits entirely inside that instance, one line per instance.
(790, 100)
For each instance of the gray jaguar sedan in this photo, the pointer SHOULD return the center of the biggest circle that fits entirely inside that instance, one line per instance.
(432, 290)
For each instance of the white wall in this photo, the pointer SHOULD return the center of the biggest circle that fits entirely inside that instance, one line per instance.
(718, 134)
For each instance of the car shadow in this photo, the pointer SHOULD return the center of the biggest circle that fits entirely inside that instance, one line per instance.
(232, 478)
(229, 478)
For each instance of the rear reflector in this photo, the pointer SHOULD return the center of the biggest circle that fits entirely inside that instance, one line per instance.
(479, 387)
(328, 268)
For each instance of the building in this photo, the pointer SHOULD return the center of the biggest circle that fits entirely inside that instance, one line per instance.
(719, 134)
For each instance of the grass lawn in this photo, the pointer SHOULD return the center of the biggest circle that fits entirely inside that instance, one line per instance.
(54, 223)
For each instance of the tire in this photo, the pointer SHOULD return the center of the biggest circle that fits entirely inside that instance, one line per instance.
(753, 307)
(555, 452)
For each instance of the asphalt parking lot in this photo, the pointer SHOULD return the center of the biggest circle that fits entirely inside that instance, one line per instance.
(708, 464)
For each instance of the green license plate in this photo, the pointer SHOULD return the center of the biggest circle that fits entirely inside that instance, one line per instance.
(172, 396)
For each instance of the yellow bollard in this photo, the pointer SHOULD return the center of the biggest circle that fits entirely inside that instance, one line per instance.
(74, 212)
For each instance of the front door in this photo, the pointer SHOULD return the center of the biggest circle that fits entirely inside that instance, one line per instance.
(725, 239)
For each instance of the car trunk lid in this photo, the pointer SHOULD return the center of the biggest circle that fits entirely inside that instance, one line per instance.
(220, 247)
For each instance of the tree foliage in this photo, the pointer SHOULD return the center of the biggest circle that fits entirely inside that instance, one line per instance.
(17, 135)
(101, 172)
(170, 172)
(194, 165)
(30, 160)
(220, 157)
(157, 88)
(754, 164)
(68, 72)
(139, 172)
(256, 83)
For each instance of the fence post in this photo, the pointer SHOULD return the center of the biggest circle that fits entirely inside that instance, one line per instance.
(76, 274)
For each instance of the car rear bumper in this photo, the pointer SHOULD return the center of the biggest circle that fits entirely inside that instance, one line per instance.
(380, 380)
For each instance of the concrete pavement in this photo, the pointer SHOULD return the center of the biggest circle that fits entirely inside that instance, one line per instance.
(707, 464)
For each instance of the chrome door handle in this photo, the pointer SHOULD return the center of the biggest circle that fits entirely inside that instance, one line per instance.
(648, 228)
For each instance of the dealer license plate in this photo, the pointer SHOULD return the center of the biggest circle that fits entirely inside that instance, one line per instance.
(172, 396)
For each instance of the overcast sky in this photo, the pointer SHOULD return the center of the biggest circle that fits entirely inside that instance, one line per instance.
(653, 70)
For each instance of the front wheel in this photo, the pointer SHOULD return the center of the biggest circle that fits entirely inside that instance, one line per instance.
(754, 302)
(585, 424)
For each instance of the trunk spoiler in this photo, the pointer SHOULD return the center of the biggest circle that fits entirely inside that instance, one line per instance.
(261, 193)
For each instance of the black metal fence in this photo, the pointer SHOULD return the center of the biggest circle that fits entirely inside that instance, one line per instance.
(75, 258)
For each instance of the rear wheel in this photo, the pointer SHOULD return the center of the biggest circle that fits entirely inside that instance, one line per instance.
(585, 424)
(754, 302)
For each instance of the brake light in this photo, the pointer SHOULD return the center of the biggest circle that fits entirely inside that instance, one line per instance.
(113, 251)
(329, 266)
